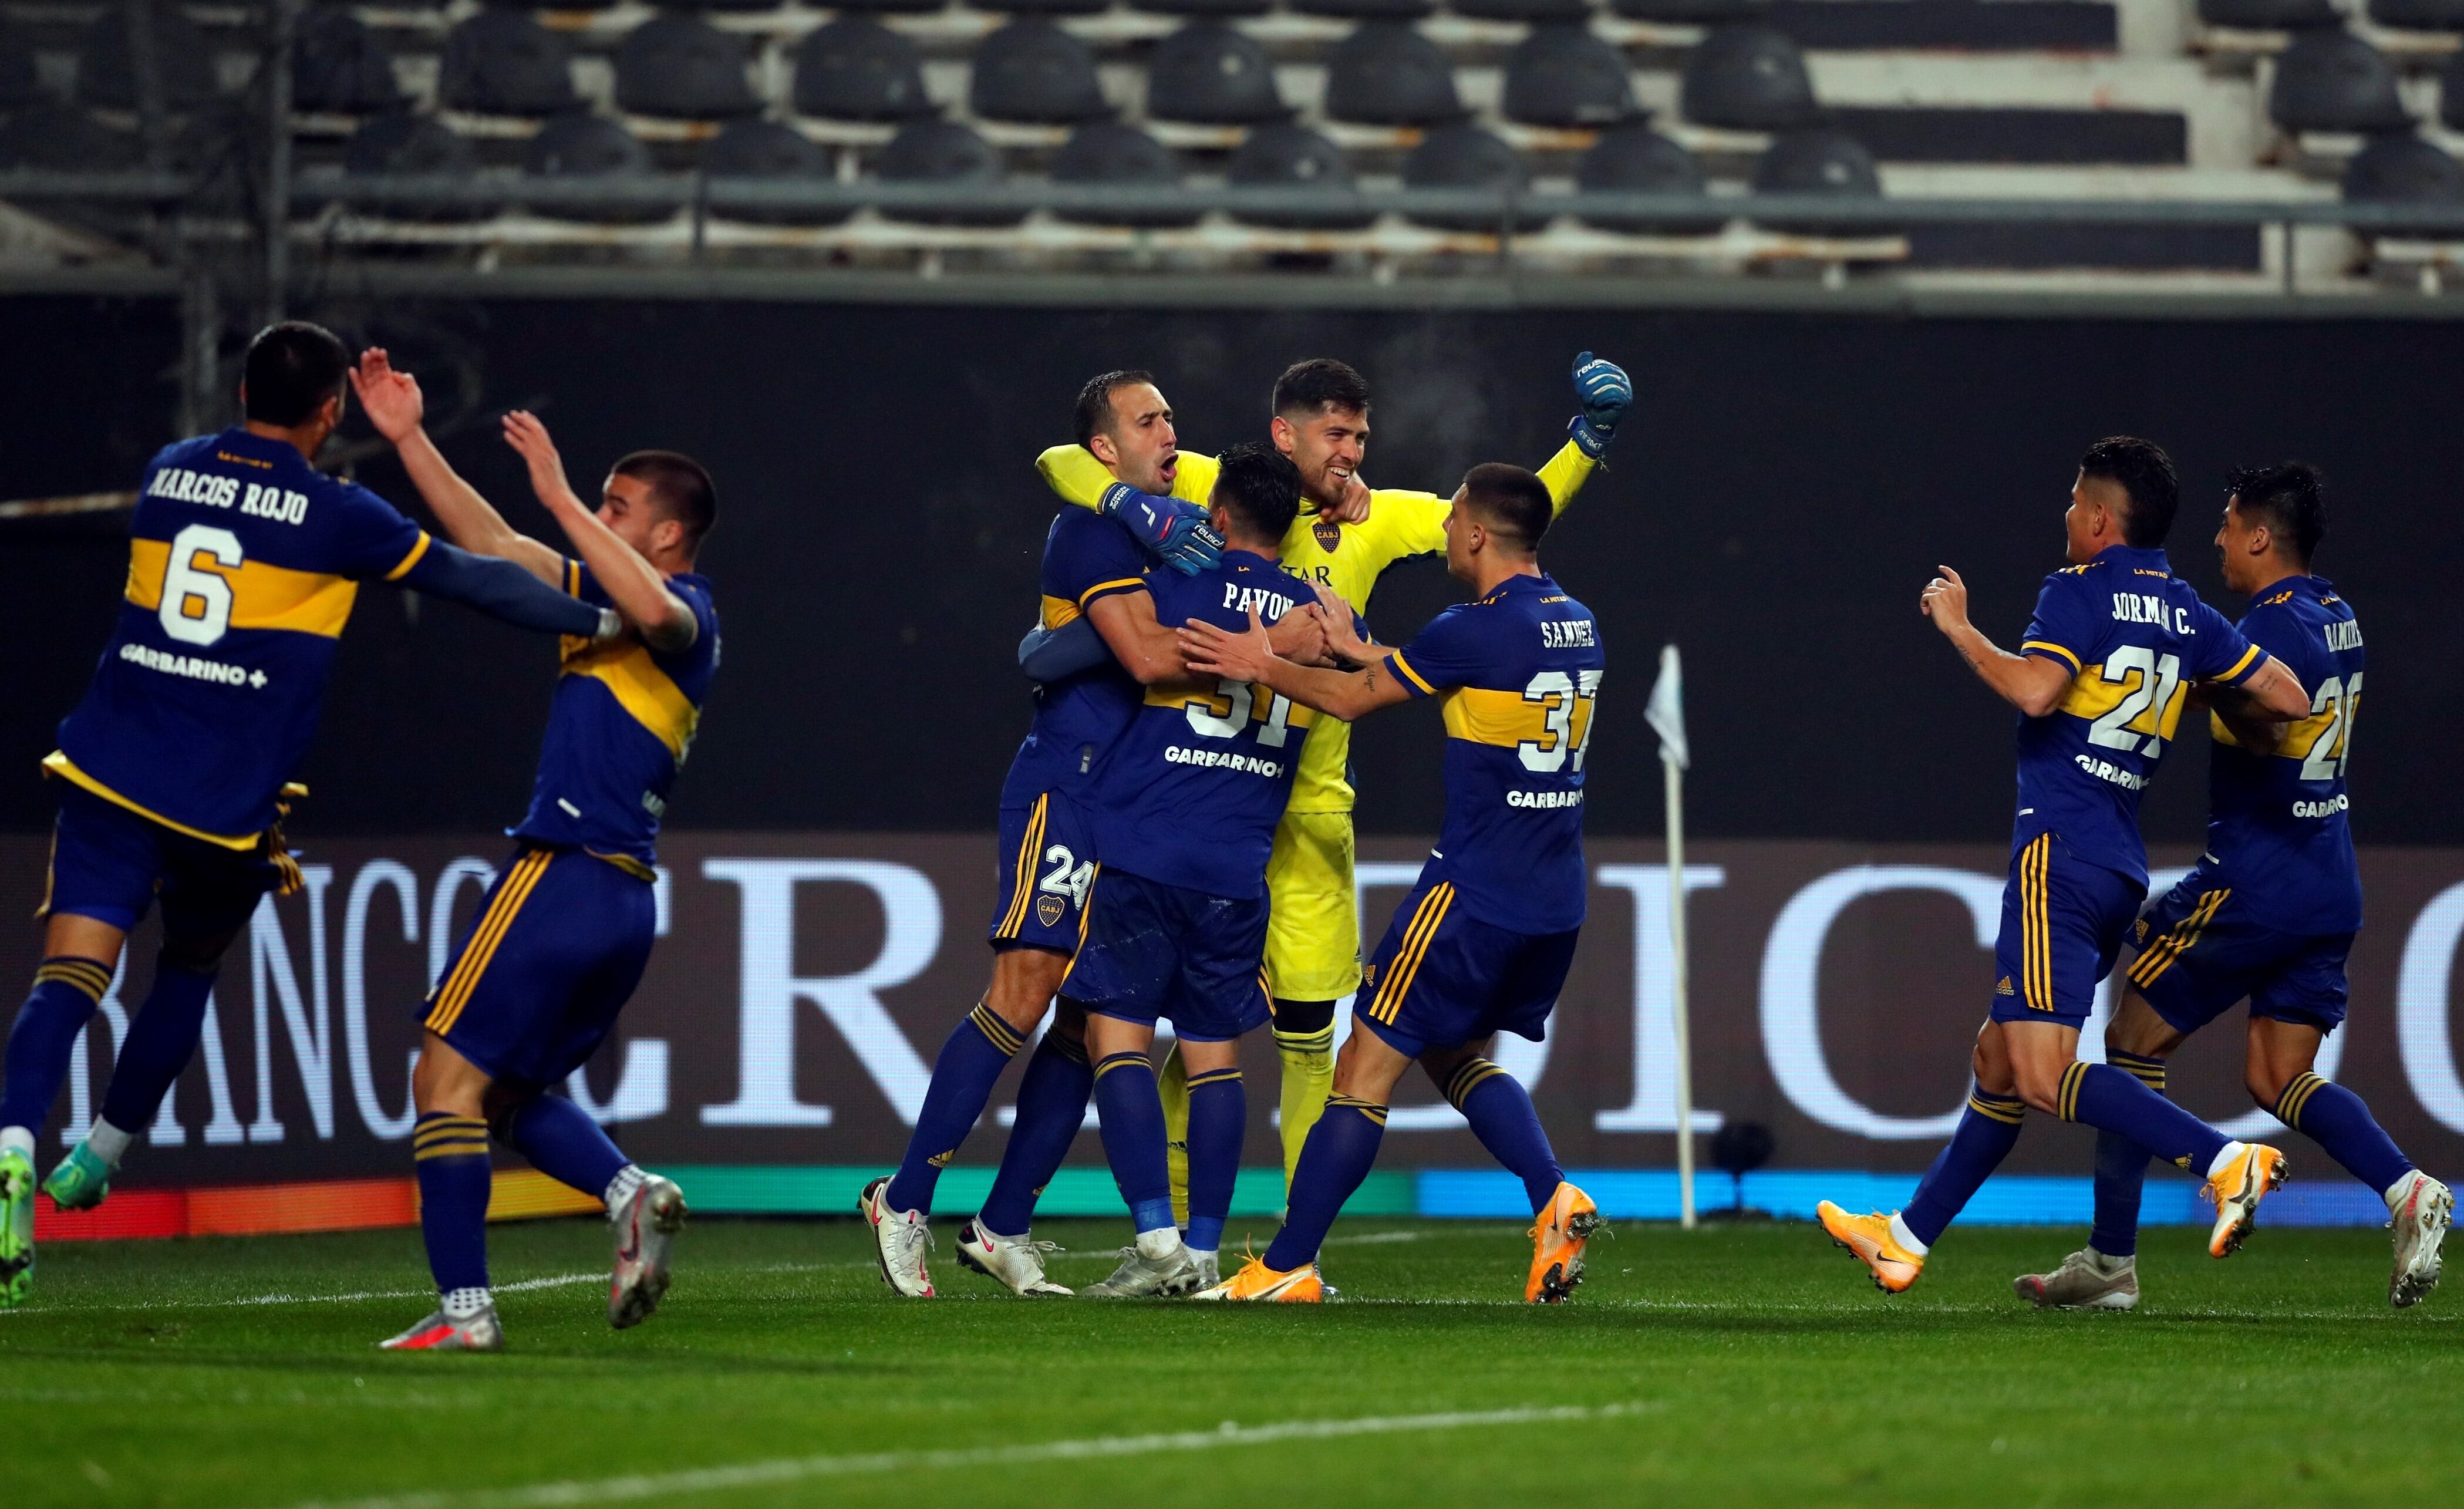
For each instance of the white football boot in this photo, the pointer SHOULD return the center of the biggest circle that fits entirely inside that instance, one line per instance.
(441, 1333)
(900, 1239)
(645, 1226)
(1142, 1278)
(1015, 1262)
(2422, 1208)
(2086, 1280)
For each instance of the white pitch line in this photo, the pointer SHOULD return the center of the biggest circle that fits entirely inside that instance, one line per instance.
(796, 1469)
(518, 1286)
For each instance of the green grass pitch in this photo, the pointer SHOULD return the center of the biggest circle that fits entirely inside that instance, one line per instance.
(1739, 1364)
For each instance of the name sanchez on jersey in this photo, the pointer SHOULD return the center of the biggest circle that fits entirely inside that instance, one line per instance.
(281, 504)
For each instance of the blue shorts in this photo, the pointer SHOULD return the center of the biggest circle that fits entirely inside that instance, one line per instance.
(1441, 979)
(539, 975)
(1048, 864)
(2063, 922)
(110, 864)
(1155, 950)
(2199, 956)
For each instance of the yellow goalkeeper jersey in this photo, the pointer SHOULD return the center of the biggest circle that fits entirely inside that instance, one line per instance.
(1347, 558)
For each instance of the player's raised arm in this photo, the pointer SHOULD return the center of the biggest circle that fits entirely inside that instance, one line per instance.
(2034, 685)
(396, 406)
(664, 620)
(1251, 656)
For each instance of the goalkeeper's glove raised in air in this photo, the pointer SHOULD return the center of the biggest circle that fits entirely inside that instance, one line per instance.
(1174, 532)
(1607, 394)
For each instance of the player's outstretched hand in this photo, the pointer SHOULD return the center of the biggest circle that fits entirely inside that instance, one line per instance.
(524, 432)
(392, 399)
(1355, 507)
(1606, 395)
(1210, 651)
(1174, 532)
(1945, 600)
(1300, 635)
(1341, 636)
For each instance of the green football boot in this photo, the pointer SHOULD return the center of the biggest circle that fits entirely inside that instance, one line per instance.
(80, 1180)
(16, 1229)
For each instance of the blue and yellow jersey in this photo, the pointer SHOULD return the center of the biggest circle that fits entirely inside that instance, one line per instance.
(2275, 822)
(2133, 636)
(1086, 557)
(243, 563)
(621, 723)
(1195, 785)
(1518, 674)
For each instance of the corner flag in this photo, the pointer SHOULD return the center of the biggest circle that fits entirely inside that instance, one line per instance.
(1666, 710)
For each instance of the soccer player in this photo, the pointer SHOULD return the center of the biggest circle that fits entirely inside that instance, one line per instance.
(1185, 809)
(173, 772)
(2268, 915)
(563, 935)
(1348, 537)
(1481, 943)
(1094, 571)
(2100, 682)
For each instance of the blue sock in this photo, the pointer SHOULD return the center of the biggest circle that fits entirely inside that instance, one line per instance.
(161, 1038)
(1500, 1116)
(1988, 1130)
(1052, 1096)
(451, 1155)
(66, 991)
(2121, 1168)
(1219, 1115)
(963, 1076)
(1132, 1112)
(1340, 1149)
(2335, 1119)
(2112, 1101)
(563, 1143)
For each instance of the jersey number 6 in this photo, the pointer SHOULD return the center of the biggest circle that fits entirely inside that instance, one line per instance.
(196, 606)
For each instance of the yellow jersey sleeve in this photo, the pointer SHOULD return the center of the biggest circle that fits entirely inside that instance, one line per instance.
(1404, 524)
(1074, 472)
(1566, 473)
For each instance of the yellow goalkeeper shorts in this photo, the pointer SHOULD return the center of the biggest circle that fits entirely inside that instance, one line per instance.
(1313, 932)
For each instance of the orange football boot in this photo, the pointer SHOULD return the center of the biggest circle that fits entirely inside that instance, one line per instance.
(1255, 1281)
(2237, 1190)
(1559, 1233)
(1869, 1237)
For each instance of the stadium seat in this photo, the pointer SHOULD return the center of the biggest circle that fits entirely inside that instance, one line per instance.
(403, 142)
(1387, 74)
(1033, 71)
(183, 58)
(943, 152)
(339, 67)
(1208, 74)
(502, 62)
(1295, 157)
(2332, 80)
(2270, 15)
(888, 7)
(1109, 152)
(585, 145)
(1365, 10)
(1467, 157)
(20, 84)
(1635, 158)
(2405, 169)
(717, 4)
(1564, 75)
(1536, 12)
(856, 69)
(2419, 16)
(1748, 78)
(1204, 7)
(771, 150)
(683, 68)
(1693, 12)
(1018, 8)
(1820, 160)
(63, 138)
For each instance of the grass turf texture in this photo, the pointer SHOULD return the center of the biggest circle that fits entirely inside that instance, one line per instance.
(1749, 1363)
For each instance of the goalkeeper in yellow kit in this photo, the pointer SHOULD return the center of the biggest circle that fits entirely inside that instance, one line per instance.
(1346, 537)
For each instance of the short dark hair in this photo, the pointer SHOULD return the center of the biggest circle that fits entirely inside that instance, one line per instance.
(292, 367)
(2290, 498)
(1259, 486)
(682, 486)
(2145, 476)
(1511, 503)
(1095, 413)
(1318, 384)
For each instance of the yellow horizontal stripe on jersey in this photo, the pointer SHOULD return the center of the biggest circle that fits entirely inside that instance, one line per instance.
(572, 577)
(411, 558)
(1506, 718)
(263, 596)
(625, 667)
(1059, 611)
(2091, 696)
(2047, 644)
(1404, 669)
(1115, 585)
(1211, 698)
(59, 765)
(2300, 738)
(2248, 658)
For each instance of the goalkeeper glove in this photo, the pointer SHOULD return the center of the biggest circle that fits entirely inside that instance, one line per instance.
(1607, 394)
(1172, 531)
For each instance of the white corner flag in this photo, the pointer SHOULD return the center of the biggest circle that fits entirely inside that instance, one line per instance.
(1666, 714)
